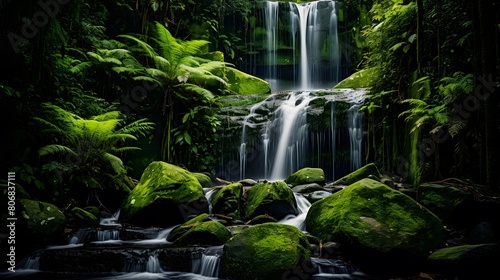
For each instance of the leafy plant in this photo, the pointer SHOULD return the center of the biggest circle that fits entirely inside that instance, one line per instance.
(85, 153)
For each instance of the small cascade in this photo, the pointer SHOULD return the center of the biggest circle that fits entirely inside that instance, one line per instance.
(107, 234)
(209, 195)
(334, 268)
(207, 263)
(355, 136)
(31, 263)
(298, 221)
(111, 221)
(291, 126)
(153, 265)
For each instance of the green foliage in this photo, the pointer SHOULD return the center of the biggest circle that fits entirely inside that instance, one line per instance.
(85, 153)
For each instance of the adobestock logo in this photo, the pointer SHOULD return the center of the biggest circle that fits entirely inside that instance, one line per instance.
(31, 27)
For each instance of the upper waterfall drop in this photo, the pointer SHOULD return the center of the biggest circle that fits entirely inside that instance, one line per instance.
(300, 49)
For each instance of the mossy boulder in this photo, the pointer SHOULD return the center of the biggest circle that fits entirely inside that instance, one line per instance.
(83, 217)
(361, 79)
(204, 180)
(307, 175)
(466, 261)
(440, 199)
(165, 195)
(275, 199)
(243, 83)
(226, 201)
(266, 251)
(179, 230)
(41, 220)
(370, 216)
(307, 188)
(261, 219)
(366, 171)
(211, 233)
(93, 210)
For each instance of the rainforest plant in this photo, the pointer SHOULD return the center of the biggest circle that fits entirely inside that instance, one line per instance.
(86, 153)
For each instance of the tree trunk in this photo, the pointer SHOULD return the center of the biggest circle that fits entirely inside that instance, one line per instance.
(420, 35)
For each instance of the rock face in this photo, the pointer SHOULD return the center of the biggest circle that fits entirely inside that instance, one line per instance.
(41, 219)
(370, 216)
(275, 199)
(361, 173)
(227, 201)
(307, 176)
(266, 251)
(166, 195)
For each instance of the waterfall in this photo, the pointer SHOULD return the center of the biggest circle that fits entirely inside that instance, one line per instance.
(108, 234)
(111, 221)
(291, 117)
(298, 221)
(355, 136)
(209, 195)
(271, 20)
(153, 265)
(206, 265)
(307, 54)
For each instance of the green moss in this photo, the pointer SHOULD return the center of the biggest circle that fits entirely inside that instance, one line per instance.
(227, 201)
(243, 83)
(211, 233)
(204, 180)
(84, 217)
(275, 199)
(363, 172)
(441, 200)
(41, 219)
(164, 187)
(179, 230)
(361, 79)
(306, 176)
(94, 210)
(377, 217)
(265, 251)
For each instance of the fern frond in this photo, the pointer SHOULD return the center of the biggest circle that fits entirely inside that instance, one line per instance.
(55, 149)
(115, 162)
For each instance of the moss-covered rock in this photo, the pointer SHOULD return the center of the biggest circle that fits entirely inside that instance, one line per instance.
(84, 217)
(179, 230)
(466, 261)
(369, 170)
(275, 199)
(306, 175)
(211, 233)
(227, 201)
(261, 219)
(266, 251)
(165, 195)
(41, 220)
(361, 79)
(204, 180)
(307, 188)
(243, 83)
(441, 200)
(370, 215)
(93, 210)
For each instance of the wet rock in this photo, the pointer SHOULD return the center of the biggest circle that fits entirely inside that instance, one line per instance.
(83, 217)
(180, 230)
(262, 219)
(317, 195)
(166, 195)
(368, 216)
(266, 251)
(466, 261)
(209, 233)
(440, 199)
(306, 176)
(363, 172)
(227, 201)
(275, 199)
(307, 188)
(40, 220)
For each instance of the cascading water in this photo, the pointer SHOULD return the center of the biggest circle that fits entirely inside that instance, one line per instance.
(300, 47)
(297, 221)
(355, 136)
